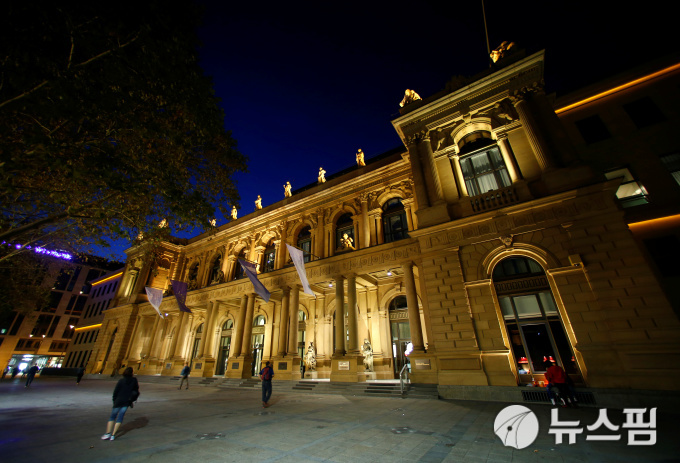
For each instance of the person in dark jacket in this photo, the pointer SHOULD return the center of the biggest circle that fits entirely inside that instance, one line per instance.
(81, 372)
(30, 375)
(125, 392)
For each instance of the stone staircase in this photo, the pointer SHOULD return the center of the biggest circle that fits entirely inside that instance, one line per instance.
(367, 389)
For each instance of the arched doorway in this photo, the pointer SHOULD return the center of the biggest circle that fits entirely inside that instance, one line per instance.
(532, 321)
(401, 333)
(257, 343)
(223, 350)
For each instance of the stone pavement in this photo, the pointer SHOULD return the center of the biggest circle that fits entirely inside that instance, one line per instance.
(56, 421)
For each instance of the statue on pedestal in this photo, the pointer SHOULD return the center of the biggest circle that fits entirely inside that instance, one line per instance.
(258, 203)
(367, 352)
(360, 158)
(310, 358)
(218, 279)
(501, 51)
(322, 175)
(234, 213)
(287, 190)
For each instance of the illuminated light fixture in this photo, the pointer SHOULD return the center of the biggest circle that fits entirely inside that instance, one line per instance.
(330, 285)
(89, 327)
(107, 279)
(166, 314)
(389, 273)
(611, 91)
(71, 326)
(30, 335)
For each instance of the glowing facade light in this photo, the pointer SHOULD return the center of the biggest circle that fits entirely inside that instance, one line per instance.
(107, 279)
(47, 252)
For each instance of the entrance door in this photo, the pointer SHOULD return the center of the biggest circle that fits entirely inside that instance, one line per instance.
(401, 346)
(222, 358)
(194, 352)
(258, 343)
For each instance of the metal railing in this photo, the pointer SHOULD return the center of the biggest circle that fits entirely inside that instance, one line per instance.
(403, 374)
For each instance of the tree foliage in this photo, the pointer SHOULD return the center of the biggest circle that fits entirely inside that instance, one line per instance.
(107, 124)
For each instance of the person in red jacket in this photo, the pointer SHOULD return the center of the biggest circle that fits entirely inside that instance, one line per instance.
(557, 377)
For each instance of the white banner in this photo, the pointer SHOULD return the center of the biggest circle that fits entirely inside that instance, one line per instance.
(298, 258)
(251, 272)
(155, 298)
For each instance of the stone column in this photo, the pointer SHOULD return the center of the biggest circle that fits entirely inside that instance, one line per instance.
(459, 177)
(319, 232)
(413, 312)
(237, 340)
(417, 172)
(147, 350)
(248, 326)
(339, 316)
(366, 238)
(206, 328)
(179, 267)
(294, 320)
(284, 322)
(508, 156)
(329, 238)
(408, 205)
(536, 140)
(231, 268)
(133, 339)
(434, 190)
(175, 338)
(353, 347)
(155, 351)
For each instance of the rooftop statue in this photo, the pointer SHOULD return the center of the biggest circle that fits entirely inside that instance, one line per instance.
(322, 175)
(287, 190)
(360, 158)
(258, 202)
(234, 213)
(501, 51)
(409, 97)
(213, 222)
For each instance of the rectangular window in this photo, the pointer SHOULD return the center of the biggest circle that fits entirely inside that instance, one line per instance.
(53, 326)
(17, 323)
(644, 112)
(592, 129)
(484, 172)
(74, 278)
(630, 192)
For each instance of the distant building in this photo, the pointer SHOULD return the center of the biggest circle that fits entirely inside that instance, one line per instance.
(508, 231)
(42, 336)
(102, 292)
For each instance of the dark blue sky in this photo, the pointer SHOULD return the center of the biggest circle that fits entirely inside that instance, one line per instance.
(305, 86)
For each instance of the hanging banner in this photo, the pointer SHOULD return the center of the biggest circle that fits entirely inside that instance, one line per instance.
(251, 272)
(155, 298)
(298, 258)
(180, 290)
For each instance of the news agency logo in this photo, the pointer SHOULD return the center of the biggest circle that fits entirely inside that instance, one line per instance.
(516, 426)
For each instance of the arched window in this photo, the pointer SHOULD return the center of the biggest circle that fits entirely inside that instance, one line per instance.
(259, 321)
(199, 330)
(344, 233)
(482, 164)
(239, 272)
(216, 274)
(531, 317)
(394, 221)
(304, 242)
(398, 303)
(302, 316)
(229, 324)
(269, 257)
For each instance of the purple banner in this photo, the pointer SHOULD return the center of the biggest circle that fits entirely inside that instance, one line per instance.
(251, 272)
(180, 290)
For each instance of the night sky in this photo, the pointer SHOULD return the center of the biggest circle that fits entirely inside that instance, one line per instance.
(304, 87)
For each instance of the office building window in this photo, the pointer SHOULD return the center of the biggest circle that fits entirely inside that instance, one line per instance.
(484, 171)
(592, 129)
(644, 112)
(672, 163)
(630, 192)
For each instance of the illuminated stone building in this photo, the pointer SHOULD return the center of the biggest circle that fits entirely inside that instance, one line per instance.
(492, 241)
(43, 336)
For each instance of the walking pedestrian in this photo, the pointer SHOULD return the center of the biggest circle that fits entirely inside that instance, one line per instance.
(266, 376)
(30, 375)
(125, 392)
(185, 375)
(79, 376)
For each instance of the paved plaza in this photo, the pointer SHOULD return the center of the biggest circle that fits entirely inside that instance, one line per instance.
(56, 421)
